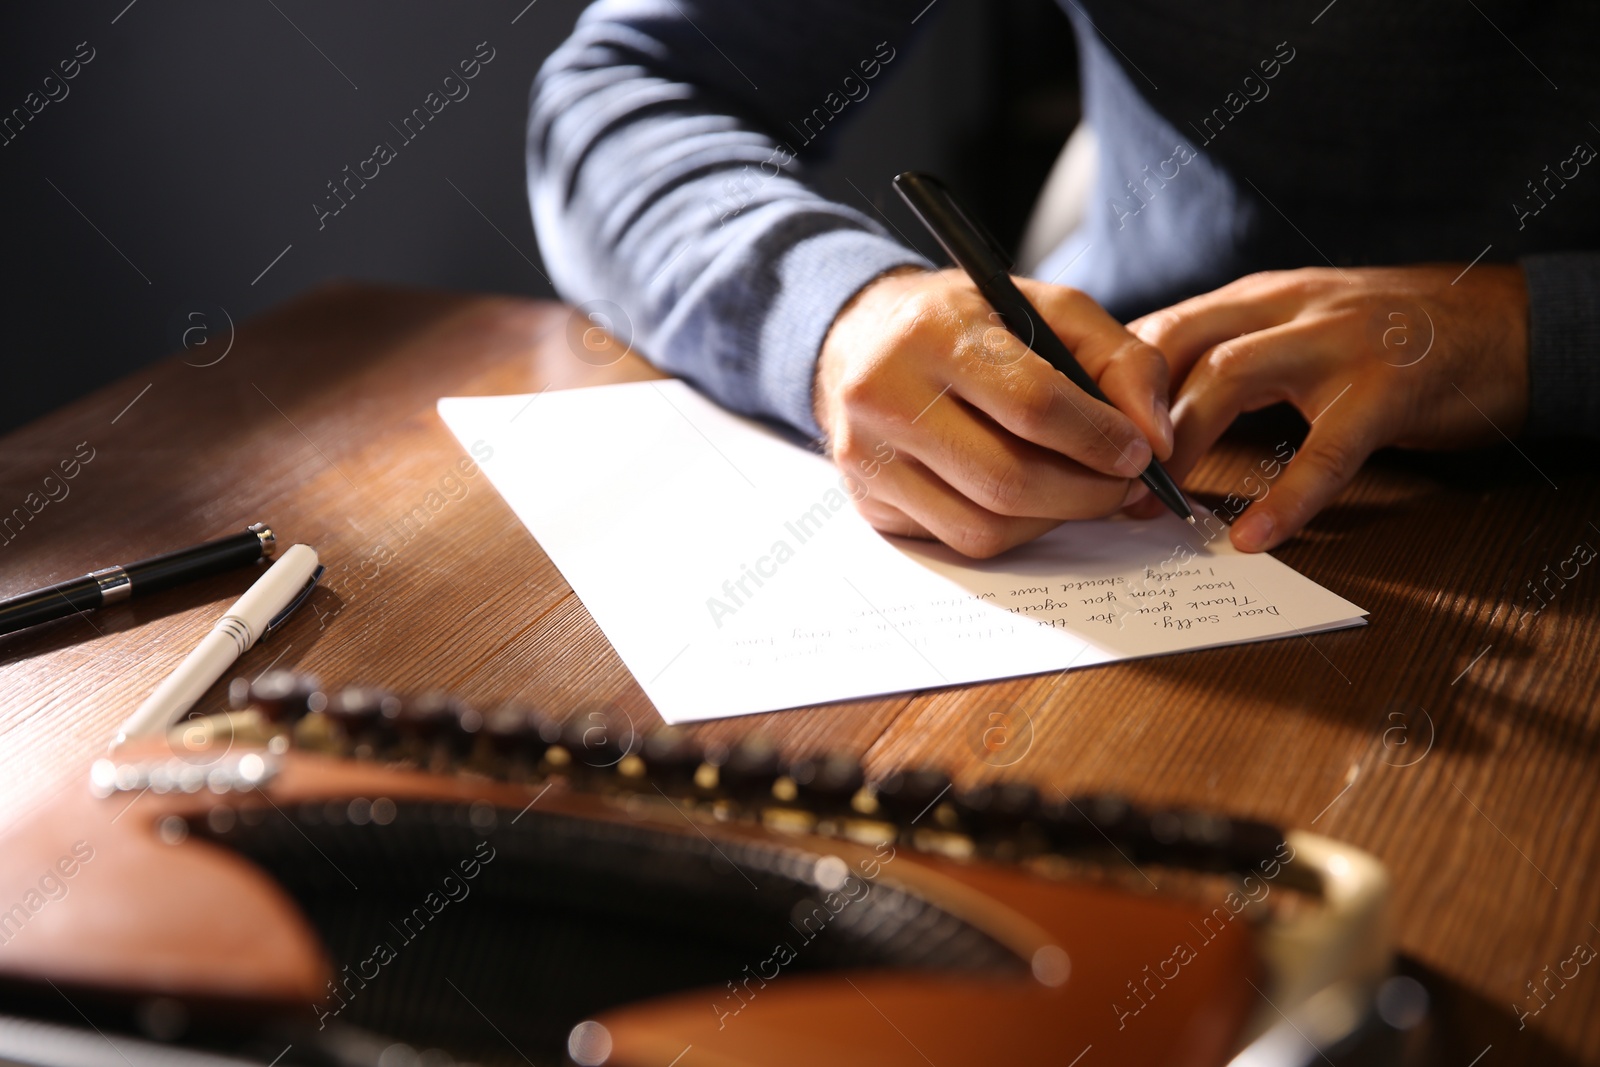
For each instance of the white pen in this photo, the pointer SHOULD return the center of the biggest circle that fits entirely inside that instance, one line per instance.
(276, 592)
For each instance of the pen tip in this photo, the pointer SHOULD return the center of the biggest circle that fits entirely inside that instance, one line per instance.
(1190, 520)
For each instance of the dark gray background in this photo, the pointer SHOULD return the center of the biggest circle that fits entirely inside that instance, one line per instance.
(189, 152)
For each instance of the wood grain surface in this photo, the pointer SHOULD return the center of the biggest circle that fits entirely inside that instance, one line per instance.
(1455, 736)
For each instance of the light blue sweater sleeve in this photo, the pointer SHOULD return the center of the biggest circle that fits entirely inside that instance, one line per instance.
(667, 143)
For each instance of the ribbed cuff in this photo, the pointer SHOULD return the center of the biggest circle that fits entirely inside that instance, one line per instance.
(1563, 344)
(816, 278)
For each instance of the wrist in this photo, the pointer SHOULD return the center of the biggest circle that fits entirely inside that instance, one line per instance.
(861, 314)
(1506, 294)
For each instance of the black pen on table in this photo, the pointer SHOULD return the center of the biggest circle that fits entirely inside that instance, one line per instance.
(969, 245)
(111, 585)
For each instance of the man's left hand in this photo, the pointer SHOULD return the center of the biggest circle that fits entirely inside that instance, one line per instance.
(1420, 357)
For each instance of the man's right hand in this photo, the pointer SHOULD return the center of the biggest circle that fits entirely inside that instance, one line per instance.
(961, 433)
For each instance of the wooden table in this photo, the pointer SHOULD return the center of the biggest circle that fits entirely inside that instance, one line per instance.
(1455, 736)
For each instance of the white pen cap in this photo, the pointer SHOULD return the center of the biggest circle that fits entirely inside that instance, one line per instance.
(232, 636)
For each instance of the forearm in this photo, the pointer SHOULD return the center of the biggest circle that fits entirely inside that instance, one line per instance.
(663, 181)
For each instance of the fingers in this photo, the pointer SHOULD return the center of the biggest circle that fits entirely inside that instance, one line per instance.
(995, 445)
(1241, 375)
(1037, 403)
(1330, 457)
(1132, 373)
(1185, 331)
(927, 503)
(1004, 474)
(1294, 362)
(1023, 393)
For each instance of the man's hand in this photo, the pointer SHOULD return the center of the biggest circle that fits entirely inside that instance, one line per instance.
(1419, 357)
(959, 432)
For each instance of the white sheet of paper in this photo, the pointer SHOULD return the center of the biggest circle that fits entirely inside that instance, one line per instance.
(732, 574)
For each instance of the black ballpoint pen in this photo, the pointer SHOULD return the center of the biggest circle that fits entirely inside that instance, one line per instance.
(969, 245)
(111, 585)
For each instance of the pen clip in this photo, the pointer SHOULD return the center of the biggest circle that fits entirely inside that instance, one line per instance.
(304, 595)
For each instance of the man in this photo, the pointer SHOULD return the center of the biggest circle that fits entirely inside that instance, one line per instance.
(1416, 175)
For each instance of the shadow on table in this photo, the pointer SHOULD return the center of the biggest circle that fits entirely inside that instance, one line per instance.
(213, 594)
(1446, 584)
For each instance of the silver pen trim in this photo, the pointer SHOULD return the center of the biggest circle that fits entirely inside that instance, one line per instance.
(268, 539)
(114, 584)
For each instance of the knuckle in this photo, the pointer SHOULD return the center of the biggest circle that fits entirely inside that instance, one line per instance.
(980, 539)
(1135, 353)
(1305, 282)
(1299, 284)
(1229, 362)
(1157, 327)
(847, 447)
(861, 390)
(1003, 484)
(920, 312)
(1033, 402)
(1264, 279)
